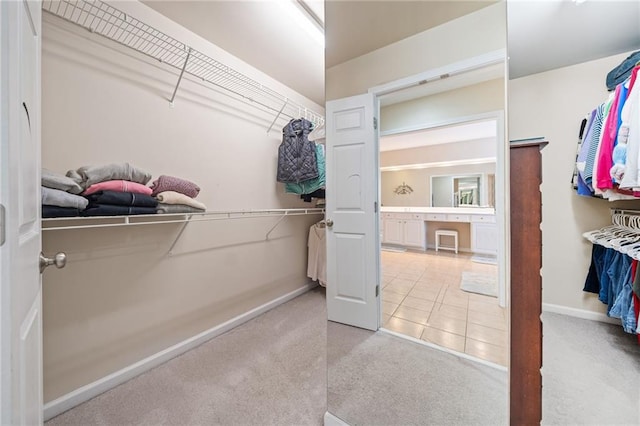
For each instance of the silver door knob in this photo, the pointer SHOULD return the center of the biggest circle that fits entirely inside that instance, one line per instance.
(329, 223)
(60, 260)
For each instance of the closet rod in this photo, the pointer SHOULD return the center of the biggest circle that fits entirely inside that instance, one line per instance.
(109, 22)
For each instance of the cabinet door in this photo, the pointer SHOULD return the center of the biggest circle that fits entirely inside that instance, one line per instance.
(393, 231)
(414, 234)
(484, 238)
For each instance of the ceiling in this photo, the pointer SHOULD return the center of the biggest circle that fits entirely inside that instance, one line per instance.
(354, 28)
(577, 32)
(545, 35)
(271, 41)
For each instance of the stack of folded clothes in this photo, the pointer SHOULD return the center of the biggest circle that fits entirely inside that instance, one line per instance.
(114, 190)
(176, 195)
(59, 196)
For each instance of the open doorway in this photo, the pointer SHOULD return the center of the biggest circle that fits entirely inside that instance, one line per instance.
(439, 237)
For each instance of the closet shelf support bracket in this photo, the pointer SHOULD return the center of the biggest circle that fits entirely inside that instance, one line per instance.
(286, 101)
(184, 67)
(175, 241)
(275, 226)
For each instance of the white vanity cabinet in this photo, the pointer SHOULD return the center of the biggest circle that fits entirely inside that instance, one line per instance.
(404, 229)
(484, 234)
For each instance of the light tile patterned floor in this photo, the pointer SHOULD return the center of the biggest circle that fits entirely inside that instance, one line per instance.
(421, 297)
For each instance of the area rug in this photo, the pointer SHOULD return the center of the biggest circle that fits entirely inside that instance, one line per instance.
(491, 260)
(473, 282)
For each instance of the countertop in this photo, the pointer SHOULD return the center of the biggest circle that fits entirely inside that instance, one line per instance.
(448, 210)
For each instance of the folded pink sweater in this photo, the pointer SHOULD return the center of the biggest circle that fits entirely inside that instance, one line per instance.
(118, 185)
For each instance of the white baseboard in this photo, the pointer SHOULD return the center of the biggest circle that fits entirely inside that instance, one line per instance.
(331, 420)
(579, 313)
(85, 393)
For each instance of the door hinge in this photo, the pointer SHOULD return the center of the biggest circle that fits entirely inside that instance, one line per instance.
(375, 123)
(375, 207)
(377, 290)
(2, 225)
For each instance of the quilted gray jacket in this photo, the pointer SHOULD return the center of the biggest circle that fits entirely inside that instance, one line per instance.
(297, 154)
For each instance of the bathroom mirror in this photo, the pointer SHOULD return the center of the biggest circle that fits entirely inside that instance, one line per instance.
(435, 340)
(457, 191)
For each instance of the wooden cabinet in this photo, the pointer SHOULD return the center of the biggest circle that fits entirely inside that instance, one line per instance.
(526, 283)
(404, 229)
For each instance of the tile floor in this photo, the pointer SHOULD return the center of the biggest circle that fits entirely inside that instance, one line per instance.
(421, 297)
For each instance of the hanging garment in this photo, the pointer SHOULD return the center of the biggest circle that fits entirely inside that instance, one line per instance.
(622, 71)
(317, 255)
(297, 154)
(311, 185)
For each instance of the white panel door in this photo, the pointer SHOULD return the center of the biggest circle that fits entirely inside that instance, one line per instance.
(20, 291)
(351, 213)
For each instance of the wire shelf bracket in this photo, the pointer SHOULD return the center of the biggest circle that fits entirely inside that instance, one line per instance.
(180, 77)
(105, 20)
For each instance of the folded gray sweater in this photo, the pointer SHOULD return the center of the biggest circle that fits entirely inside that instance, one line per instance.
(59, 181)
(176, 208)
(56, 197)
(88, 175)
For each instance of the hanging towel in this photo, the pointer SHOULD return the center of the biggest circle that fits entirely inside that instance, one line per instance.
(89, 175)
(118, 185)
(171, 183)
(172, 197)
(59, 181)
(56, 197)
(122, 199)
(176, 208)
(113, 210)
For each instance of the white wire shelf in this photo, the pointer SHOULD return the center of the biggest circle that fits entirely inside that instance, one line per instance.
(66, 223)
(107, 21)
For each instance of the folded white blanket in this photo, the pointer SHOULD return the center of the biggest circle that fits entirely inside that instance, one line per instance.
(56, 197)
(172, 197)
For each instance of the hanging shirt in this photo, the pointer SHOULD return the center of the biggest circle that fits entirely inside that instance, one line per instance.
(609, 133)
(317, 256)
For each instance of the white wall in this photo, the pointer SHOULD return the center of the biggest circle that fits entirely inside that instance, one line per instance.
(455, 151)
(552, 104)
(442, 107)
(468, 36)
(121, 298)
(420, 181)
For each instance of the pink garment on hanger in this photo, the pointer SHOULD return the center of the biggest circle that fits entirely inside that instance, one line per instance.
(609, 134)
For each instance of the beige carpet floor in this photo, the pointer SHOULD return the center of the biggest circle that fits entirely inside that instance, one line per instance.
(268, 371)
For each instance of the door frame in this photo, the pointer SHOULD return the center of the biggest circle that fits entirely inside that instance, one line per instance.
(502, 165)
(500, 186)
(495, 57)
